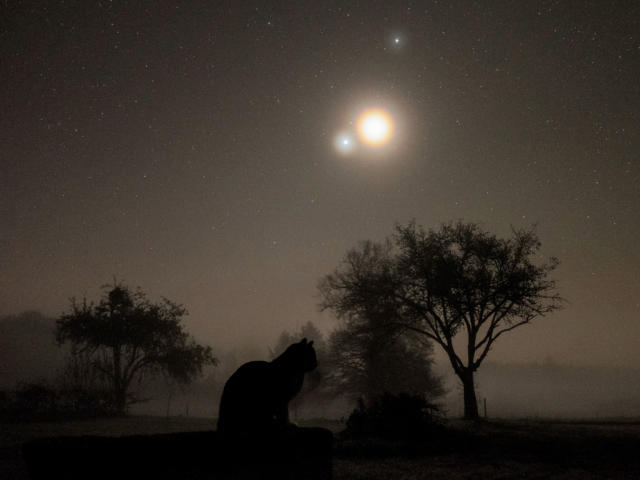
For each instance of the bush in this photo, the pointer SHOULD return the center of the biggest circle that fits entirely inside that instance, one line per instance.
(29, 401)
(78, 403)
(41, 402)
(401, 417)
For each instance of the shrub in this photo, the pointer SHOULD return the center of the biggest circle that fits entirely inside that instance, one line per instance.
(41, 402)
(402, 416)
(78, 403)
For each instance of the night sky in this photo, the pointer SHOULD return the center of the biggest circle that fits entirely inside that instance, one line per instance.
(189, 149)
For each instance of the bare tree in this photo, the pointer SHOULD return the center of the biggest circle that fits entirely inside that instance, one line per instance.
(458, 281)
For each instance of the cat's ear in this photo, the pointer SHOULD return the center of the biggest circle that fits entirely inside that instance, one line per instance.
(303, 341)
(310, 344)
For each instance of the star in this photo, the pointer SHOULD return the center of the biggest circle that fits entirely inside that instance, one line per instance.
(395, 41)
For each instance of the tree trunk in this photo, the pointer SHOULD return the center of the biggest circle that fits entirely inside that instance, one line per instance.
(169, 396)
(470, 402)
(121, 402)
(119, 388)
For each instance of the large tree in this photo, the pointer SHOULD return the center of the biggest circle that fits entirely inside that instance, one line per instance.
(458, 282)
(127, 337)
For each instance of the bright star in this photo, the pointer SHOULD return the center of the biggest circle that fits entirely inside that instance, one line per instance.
(396, 41)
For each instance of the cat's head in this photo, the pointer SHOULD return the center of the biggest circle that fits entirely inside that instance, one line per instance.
(302, 354)
(309, 359)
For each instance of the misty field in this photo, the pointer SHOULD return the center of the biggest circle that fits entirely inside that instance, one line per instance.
(494, 449)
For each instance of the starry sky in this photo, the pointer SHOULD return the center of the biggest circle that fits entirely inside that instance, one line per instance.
(188, 148)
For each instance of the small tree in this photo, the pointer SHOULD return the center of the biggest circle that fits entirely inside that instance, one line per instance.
(366, 363)
(370, 356)
(127, 337)
(456, 282)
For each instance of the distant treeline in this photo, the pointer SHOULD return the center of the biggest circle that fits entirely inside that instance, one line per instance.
(35, 389)
(31, 365)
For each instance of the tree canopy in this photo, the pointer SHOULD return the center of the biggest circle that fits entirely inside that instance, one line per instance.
(458, 280)
(128, 337)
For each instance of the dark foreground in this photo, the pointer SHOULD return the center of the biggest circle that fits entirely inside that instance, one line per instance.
(290, 454)
(501, 450)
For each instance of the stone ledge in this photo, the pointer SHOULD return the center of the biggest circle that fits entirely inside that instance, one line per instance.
(301, 453)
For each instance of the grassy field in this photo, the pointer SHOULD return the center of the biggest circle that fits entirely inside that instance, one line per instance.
(491, 450)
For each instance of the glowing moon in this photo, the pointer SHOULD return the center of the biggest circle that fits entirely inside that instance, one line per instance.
(375, 127)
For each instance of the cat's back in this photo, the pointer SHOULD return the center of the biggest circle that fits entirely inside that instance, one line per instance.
(242, 395)
(249, 376)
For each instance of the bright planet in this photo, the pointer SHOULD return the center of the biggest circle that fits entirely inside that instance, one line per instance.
(375, 127)
(344, 142)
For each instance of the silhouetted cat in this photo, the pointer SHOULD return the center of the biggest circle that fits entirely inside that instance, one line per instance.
(256, 397)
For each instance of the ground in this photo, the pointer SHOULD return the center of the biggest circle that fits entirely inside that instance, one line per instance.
(486, 450)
